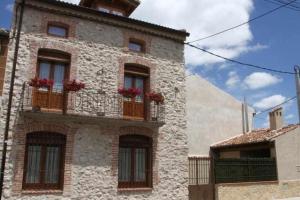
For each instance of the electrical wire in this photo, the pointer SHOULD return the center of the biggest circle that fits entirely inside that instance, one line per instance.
(270, 109)
(295, 8)
(241, 63)
(247, 22)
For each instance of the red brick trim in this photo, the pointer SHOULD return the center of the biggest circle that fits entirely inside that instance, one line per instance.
(20, 141)
(132, 130)
(57, 19)
(60, 46)
(138, 61)
(144, 38)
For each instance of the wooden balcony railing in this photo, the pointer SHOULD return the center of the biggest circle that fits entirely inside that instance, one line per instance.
(86, 103)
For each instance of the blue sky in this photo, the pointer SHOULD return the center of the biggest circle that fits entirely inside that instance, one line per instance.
(273, 41)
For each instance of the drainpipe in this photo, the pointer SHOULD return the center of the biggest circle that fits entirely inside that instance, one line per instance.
(10, 97)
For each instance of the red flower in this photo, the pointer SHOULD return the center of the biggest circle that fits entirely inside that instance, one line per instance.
(41, 83)
(129, 92)
(73, 86)
(156, 97)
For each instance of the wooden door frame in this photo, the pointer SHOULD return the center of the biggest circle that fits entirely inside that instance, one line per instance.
(52, 63)
(146, 88)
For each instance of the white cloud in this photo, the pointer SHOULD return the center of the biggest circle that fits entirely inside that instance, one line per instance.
(233, 80)
(9, 7)
(258, 80)
(270, 102)
(203, 18)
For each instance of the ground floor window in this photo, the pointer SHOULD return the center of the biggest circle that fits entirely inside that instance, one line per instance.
(135, 161)
(44, 161)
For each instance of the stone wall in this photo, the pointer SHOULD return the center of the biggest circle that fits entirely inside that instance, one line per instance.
(97, 47)
(261, 191)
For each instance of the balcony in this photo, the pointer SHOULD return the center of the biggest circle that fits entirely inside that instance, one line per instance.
(91, 105)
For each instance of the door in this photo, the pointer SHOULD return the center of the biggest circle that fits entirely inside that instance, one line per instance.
(51, 98)
(134, 107)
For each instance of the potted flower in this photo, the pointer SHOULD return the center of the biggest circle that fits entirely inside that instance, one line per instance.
(129, 92)
(73, 86)
(40, 83)
(158, 98)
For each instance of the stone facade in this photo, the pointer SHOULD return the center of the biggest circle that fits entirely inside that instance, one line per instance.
(98, 54)
(261, 191)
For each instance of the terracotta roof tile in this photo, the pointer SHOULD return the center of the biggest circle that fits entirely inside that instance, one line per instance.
(256, 136)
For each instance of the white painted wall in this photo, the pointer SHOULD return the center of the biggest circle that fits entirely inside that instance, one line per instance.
(212, 115)
(288, 155)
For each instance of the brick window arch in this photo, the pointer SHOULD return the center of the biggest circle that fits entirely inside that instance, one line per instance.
(135, 161)
(58, 29)
(44, 161)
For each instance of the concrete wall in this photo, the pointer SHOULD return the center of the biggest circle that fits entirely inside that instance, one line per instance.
(288, 155)
(100, 47)
(255, 191)
(212, 115)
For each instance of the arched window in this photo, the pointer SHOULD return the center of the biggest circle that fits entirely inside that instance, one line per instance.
(58, 29)
(135, 161)
(52, 65)
(44, 161)
(136, 77)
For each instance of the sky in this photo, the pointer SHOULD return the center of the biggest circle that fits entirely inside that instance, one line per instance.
(272, 41)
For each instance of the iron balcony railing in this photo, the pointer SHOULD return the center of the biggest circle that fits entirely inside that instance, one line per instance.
(85, 103)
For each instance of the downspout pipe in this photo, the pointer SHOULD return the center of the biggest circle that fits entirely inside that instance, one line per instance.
(10, 97)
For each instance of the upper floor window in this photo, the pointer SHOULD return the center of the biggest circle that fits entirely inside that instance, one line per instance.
(57, 30)
(117, 13)
(135, 45)
(103, 9)
(44, 161)
(135, 155)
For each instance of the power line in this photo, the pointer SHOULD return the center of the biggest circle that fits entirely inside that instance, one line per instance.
(291, 7)
(270, 109)
(241, 63)
(242, 24)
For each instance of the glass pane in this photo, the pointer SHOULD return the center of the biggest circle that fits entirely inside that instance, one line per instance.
(139, 82)
(140, 165)
(59, 74)
(52, 165)
(44, 70)
(33, 164)
(124, 164)
(128, 82)
(135, 46)
(58, 31)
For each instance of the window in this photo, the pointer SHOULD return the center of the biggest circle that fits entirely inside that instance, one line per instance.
(53, 66)
(57, 30)
(136, 46)
(117, 13)
(105, 10)
(136, 77)
(135, 161)
(44, 161)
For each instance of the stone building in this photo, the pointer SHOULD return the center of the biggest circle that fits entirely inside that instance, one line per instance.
(98, 142)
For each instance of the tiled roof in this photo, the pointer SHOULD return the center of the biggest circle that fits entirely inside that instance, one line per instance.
(256, 136)
(62, 3)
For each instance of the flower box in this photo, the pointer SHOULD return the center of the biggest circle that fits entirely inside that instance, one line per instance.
(40, 83)
(73, 86)
(129, 92)
(158, 98)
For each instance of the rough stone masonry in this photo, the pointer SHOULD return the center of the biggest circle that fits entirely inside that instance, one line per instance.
(98, 44)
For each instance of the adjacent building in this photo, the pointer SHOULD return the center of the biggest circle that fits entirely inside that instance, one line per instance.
(262, 164)
(99, 105)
